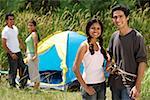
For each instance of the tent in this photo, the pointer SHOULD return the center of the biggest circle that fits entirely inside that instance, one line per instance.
(56, 57)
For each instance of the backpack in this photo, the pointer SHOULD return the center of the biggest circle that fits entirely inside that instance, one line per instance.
(104, 67)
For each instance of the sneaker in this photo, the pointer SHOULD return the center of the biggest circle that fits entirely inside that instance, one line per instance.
(12, 87)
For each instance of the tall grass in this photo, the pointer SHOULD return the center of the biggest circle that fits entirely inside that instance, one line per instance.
(145, 84)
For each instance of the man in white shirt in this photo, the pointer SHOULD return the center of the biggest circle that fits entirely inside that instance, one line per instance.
(10, 43)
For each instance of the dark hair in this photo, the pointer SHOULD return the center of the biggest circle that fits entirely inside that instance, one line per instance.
(121, 7)
(7, 15)
(100, 39)
(34, 23)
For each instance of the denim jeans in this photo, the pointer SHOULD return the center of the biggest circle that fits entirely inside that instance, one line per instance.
(120, 94)
(13, 66)
(100, 89)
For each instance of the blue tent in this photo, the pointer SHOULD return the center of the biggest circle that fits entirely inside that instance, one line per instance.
(57, 55)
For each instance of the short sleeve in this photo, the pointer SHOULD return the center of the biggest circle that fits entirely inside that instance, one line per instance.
(110, 46)
(141, 55)
(4, 34)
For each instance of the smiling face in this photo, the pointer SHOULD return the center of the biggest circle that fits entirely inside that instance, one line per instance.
(119, 19)
(10, 21)
(31, 27)
(95, 30)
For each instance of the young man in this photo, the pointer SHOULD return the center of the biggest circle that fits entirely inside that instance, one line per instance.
(127, 49)
(10, 43)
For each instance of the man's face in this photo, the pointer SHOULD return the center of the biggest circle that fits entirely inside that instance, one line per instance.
(119, 19)
(10, 21)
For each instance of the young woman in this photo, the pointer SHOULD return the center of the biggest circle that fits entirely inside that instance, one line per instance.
(32, 60)
(91, 53)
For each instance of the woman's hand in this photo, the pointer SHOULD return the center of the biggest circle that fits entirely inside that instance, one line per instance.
(25, 60)
(108, 66)
(34, 58)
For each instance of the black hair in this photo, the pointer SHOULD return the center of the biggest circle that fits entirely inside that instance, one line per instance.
(7, 15)
(121, 7)
(34, 23)
(100, 39)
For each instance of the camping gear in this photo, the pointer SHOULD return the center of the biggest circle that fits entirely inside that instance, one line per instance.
(56, 56)
(113, 68)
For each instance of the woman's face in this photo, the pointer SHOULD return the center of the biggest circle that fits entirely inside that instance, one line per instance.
(95, 30)
(31, 27)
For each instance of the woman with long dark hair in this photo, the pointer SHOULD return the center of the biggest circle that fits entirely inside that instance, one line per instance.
(92, 54)
(32, 56)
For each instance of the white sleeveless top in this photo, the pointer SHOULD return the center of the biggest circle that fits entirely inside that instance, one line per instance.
(93, 71)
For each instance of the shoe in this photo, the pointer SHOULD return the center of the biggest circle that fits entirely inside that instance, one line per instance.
(21, 87)
(12, 87)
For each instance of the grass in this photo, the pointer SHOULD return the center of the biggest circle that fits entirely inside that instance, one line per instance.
(26, 94)
(45, 94)
(49, 94)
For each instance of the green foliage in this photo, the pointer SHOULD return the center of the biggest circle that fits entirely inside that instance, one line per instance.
(27, 94)
(75, 18)
(130, 3)
(96, 5)
(41, 6)
(140, 20)
(145, 85)
(10, 5)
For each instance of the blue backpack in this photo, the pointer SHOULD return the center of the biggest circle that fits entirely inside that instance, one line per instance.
(104, 66)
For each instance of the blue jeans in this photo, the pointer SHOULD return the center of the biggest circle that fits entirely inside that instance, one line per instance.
(100, 89)
(120, 94)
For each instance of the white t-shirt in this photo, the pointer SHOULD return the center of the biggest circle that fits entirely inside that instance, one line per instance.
(11, 35)
(93, 71)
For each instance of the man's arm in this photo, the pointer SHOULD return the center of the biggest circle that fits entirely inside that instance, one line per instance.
(140, 76)
(14, 56)
(135, 91)
(141, 58)
(110, 46)
(5, 46)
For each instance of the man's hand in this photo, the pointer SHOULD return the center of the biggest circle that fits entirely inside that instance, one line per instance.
(14, 56)
(134, 93)
(90, 90)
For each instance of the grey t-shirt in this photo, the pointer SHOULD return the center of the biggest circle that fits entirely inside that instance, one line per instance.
(127, 51)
